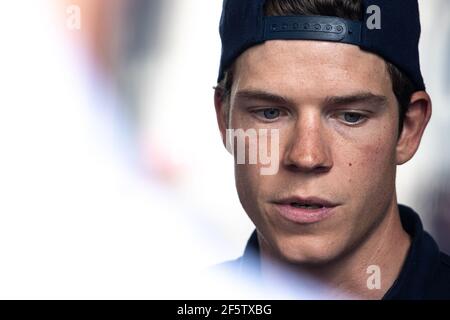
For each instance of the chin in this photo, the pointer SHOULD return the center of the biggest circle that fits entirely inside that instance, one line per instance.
(307, 250)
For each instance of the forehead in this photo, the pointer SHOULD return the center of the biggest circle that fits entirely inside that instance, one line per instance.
(310, 69)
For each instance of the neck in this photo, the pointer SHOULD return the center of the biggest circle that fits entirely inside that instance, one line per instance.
(355, 274)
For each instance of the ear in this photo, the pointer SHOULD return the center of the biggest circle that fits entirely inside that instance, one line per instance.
(220, 113)
(415, 122)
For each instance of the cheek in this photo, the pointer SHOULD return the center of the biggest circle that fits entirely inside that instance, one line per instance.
(369, 167)
(248, 185)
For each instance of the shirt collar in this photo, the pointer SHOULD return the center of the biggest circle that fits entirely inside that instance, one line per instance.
(421, 262)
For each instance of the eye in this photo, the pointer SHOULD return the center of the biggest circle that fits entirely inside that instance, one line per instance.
(352, 117)
(268, 113)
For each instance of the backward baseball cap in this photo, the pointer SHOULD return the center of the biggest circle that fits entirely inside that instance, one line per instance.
(396, 37)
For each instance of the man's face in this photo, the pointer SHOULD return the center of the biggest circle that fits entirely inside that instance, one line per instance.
(337, 118)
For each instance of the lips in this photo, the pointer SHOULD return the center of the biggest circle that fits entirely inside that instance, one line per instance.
(305, 210)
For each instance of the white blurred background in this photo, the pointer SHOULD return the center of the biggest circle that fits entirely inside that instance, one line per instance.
(113, 179)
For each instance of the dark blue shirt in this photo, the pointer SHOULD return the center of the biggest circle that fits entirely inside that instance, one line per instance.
(425, 273)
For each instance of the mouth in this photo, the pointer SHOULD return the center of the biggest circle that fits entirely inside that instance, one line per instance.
(306, 206)
(305, 210)
(306, 202)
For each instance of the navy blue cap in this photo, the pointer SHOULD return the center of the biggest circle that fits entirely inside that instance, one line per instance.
(243, 25)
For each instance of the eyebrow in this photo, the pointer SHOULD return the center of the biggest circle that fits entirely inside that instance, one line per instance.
(366, 98)
(263, 95)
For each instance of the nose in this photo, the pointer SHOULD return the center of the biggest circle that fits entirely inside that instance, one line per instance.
(308, 148)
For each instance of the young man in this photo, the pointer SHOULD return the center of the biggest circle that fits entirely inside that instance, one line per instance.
(337, 86)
